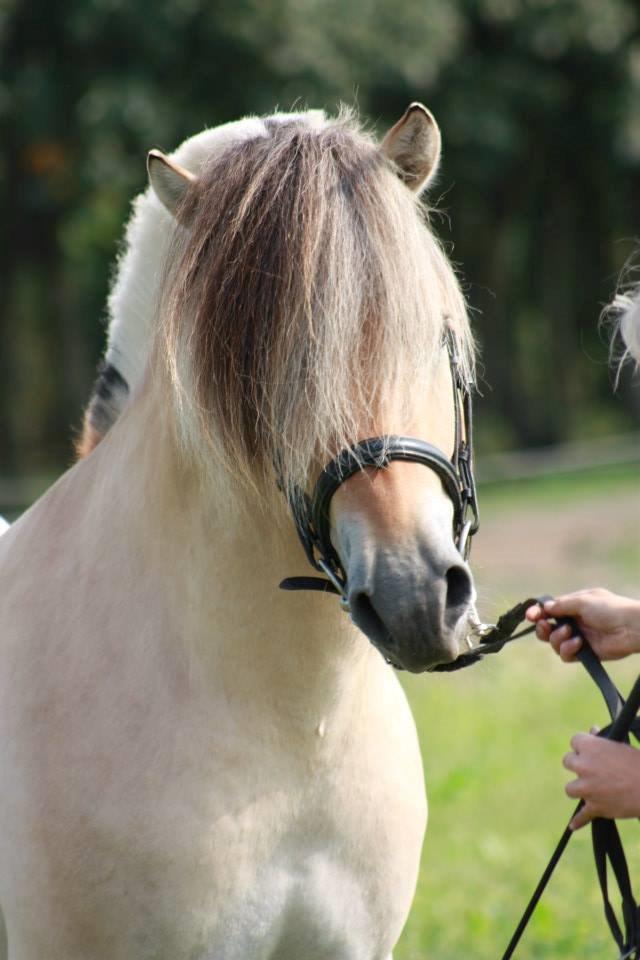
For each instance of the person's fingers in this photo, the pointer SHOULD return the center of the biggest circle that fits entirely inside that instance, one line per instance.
(575, 789)
(584, 816)
(564, 644)
(580, 741)
(568, 605)
(534, 612)
(569, 648)
(594, 731)
(570, 762)
(558, 635)
(543, 630)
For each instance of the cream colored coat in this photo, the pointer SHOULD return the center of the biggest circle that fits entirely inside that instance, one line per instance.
(179, 781)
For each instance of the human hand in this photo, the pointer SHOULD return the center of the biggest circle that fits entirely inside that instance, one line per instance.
(610, 623)
(608, 778)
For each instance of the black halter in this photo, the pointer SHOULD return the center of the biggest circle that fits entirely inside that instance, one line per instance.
(311, 514)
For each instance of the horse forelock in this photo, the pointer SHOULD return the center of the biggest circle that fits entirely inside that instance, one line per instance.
(305, 291)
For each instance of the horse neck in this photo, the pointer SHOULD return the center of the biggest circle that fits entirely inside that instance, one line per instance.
(218, 569)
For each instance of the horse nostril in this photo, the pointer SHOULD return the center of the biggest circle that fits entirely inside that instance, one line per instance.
(458, 587)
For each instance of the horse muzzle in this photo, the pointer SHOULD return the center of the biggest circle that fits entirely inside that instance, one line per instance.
(414, 605)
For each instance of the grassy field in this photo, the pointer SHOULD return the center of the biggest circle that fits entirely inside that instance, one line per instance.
(493, 737)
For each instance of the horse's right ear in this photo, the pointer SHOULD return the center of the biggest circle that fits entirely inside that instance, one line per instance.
(170, 181)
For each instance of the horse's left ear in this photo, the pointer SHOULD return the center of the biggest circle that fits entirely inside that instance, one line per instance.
(413, 143)
(169, 180)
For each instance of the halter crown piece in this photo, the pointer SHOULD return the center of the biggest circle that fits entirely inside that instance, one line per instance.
(311, 514)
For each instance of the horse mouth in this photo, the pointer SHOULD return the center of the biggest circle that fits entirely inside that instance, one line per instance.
(367, 619)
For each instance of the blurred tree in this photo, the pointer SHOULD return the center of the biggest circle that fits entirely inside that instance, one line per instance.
(540, 98)
(538, 101)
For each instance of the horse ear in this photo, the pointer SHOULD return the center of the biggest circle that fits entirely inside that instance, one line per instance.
(413, 143)
(169, 180)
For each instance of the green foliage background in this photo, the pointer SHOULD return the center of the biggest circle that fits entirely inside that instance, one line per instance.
(540, 110)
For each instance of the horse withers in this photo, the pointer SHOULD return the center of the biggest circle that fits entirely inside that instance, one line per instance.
(195, 764)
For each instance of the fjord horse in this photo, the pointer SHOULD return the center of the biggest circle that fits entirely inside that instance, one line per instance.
(193, 763)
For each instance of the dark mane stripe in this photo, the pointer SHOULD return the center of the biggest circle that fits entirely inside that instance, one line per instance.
(110, 392)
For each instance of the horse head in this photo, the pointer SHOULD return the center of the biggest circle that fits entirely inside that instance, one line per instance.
(307, 302)
(304, 308)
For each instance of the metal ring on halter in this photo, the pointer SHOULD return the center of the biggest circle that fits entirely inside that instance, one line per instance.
(340, 585)
(463, 539)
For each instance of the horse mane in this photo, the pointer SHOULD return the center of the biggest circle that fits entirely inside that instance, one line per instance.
(305, 301)
(625, 314)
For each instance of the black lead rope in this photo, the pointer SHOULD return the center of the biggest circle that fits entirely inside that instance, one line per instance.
(607, 845)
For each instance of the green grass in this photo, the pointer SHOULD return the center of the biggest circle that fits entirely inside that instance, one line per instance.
(561, 487)
(492, 739)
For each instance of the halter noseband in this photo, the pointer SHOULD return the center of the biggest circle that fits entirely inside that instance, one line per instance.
(311, 514)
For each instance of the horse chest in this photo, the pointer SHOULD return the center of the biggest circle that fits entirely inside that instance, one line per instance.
(279, 876)
(230, 855)
(303, 902)
(183, 829)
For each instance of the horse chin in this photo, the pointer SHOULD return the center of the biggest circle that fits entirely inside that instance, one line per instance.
(420, 662)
